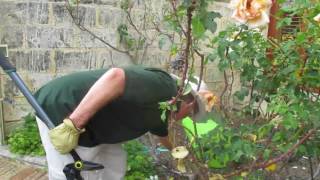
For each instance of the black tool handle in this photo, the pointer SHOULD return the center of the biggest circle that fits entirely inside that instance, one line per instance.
(5, 64)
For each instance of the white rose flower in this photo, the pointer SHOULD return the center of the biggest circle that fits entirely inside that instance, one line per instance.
(317, 18)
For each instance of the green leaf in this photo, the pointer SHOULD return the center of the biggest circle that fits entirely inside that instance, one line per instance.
(222, 45)
(122, 31)
(162, 41)
(211, 57)
(233, 55)
(277, 136)
(198, 28)
(186, 3)
(242, 94)
(266, 154)
(226, 159)
(73, 2)
(291, 68)
(124, 4)
(289, 122)
(238, 155)
(214, 163)
(284, 22)
(173, 107)
(302, 149)
(210, 23)
(173, 49)
(281, 1)
(187, 89)
(301, 37)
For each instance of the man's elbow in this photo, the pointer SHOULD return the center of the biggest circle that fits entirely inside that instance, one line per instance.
(116, 76)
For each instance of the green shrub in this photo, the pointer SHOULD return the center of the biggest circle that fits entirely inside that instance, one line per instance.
(139, 161)
(26, 139)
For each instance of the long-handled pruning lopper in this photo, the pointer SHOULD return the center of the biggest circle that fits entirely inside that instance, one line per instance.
(72, 170)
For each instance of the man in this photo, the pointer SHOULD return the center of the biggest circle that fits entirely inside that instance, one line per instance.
(98, 110)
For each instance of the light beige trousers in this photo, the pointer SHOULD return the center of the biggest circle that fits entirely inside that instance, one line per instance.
(111, 156)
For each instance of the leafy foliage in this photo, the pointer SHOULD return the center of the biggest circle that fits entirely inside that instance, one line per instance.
(275, 113)
(277, 103)
(26, 139)
(280, 74)
(140, 163)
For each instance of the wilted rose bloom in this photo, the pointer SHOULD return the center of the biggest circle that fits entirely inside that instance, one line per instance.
(254, 13)
(317, 18)
(209, 99)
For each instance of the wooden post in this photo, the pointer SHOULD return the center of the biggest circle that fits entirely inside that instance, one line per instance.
(272, 29)
(4, 51)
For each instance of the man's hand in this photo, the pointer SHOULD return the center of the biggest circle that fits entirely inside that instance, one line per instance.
(65, 137)
(186, 109)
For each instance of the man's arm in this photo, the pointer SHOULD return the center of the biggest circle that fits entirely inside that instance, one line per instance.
(108, 87)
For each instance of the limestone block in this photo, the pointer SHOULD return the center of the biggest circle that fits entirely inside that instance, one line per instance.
(155, 58)
(12, 35)
(48, 37)
(11, 126)
(213, 74)
(222, 8)
(84, 39)
(225, 12)
(38, 13)
(61, 15)
(112, 59)
(110, 17)
(139, 4)
(13, 13)
(111, 37)
(15, 105)
(75, 60)
(69, 61)
(39, 79)
(142, 19)
(81, 1)
(11, 91)
(16, 109)
(107, 2)
(31, 61)
(86, 15)
(216, 87)
(158, 40)
(86, 1)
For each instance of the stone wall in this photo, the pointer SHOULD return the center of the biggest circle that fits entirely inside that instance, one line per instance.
(44, 43)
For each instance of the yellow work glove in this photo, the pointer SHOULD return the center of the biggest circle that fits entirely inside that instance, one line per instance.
(65, 137)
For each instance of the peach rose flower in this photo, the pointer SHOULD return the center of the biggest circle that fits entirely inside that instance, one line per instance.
(254, 13)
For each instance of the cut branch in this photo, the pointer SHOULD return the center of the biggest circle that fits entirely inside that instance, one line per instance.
(201, 68)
